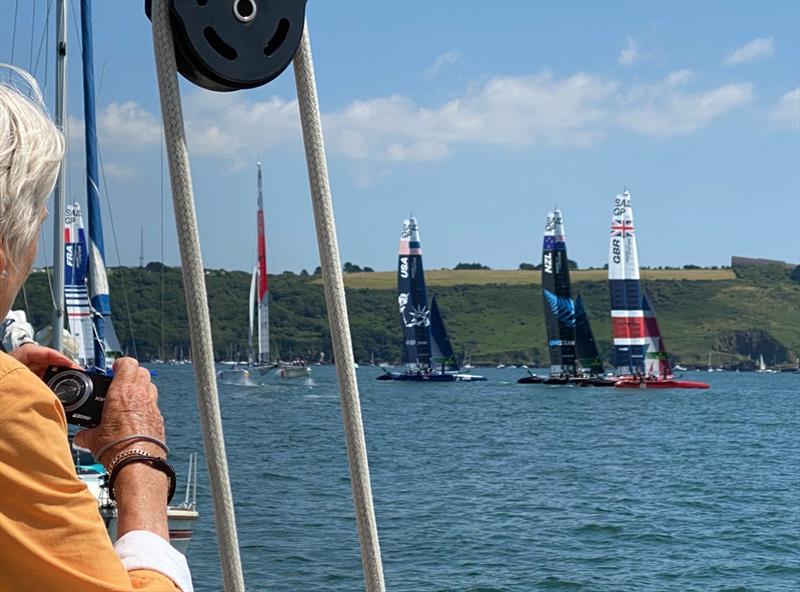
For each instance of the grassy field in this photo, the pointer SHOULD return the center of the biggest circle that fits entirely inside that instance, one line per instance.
(384, 280)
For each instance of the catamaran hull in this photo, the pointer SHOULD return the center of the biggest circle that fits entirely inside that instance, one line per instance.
(556, 380)
(660, 384)
(594, 381)
(530, 380)
(294, 372)
(431, 377)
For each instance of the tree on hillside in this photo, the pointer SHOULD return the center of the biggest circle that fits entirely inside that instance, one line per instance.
(353, 268)
(530, 266)
(471, 266)
(571, 264)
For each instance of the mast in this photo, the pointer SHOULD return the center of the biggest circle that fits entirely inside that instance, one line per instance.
(627, 316)
(412, 298)
(559, 308)
(141, 247)
(59, 196)
(263, 288)
(98, 281)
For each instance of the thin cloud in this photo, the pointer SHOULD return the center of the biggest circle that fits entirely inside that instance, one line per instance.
(129, 126)
(786, 112)
(666, 109)
(444, 60)
(117, 170)
(750, 52)
(512, 111)
(629, 53)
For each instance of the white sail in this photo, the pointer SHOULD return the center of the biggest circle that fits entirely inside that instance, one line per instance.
(623, 259)
(76, 291)
(251, 302)
(627, 316)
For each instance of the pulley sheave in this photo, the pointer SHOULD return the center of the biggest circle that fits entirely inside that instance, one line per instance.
(226, 45)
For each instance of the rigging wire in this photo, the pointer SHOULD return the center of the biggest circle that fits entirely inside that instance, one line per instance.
(116, 249)
(14, 32)
(33, 24)
(163, 292)
(45, 37)
(46, 46)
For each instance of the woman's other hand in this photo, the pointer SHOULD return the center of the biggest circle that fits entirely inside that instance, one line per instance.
(38, 358)
(131, 407)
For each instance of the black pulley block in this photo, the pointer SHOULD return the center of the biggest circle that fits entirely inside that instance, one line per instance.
(226, 45)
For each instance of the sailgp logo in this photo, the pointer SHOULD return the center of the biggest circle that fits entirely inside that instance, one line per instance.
(548, 263)
(404, 267)
(550, 224)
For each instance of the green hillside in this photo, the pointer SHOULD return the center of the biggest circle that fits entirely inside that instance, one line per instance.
(734, 316)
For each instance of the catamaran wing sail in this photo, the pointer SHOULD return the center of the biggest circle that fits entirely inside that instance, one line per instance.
(623, 281)
(656, 361)
(76, 293)
(441, 348)
(263, 287)
(585, 346)
(412, 299)
(559, 309)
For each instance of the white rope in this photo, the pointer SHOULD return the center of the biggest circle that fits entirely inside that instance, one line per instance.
(337, 314)
(196, 299)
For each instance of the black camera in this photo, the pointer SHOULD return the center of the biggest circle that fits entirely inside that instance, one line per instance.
(82, 394)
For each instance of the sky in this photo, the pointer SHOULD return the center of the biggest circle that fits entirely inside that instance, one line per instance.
(476, 117)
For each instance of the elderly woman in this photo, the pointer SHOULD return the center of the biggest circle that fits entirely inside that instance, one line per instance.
(51, 534)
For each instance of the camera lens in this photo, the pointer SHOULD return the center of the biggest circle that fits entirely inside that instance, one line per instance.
(72, 389)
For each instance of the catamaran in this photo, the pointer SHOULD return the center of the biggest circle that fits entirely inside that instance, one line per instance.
(427, 352)
(566, 324)
(258, 312)
(640, 357)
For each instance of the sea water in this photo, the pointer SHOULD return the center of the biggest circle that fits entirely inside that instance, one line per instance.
(498, 486)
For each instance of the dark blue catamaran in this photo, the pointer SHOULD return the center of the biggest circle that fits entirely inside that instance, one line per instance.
(570, 343)
(427, 352)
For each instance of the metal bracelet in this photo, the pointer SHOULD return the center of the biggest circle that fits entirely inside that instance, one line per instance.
(133, 438)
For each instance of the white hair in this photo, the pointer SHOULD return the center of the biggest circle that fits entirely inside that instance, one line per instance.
(31, 149)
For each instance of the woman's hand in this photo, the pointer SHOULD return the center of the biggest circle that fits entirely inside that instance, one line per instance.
(38, 358)
(130, 408)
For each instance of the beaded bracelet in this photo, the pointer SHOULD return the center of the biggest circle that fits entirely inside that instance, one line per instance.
(133, 456)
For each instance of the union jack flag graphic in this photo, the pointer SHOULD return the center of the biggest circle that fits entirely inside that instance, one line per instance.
(622, 228)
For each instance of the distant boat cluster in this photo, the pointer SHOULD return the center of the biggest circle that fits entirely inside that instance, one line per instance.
(640, 358)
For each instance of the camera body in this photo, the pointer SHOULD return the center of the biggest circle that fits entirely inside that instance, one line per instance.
(82, 394)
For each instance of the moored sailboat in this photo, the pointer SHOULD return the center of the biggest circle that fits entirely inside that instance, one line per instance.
(426, 345)
(101, 336)
(639, 354)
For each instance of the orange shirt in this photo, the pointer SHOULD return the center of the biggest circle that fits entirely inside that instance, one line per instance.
(52, 537)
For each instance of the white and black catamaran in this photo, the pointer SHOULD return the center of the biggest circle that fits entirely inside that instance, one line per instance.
(427, 352)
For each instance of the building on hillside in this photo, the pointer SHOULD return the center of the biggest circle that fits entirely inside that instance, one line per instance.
(749, 261)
